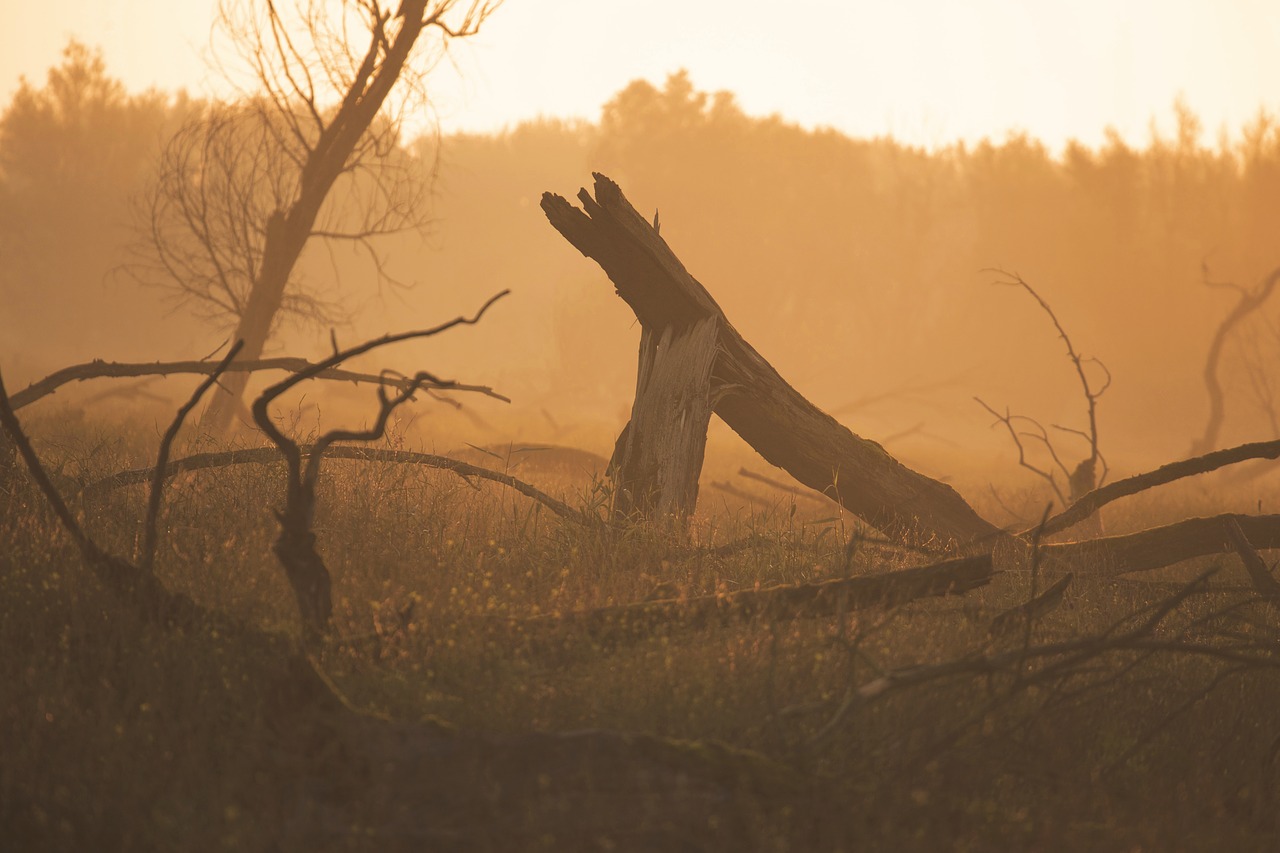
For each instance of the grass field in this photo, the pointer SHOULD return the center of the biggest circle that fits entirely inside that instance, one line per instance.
(120, 734)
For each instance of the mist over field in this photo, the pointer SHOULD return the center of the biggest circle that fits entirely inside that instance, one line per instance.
(367, 485)
(862, 268)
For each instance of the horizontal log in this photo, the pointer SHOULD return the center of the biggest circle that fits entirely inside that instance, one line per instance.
(1157, 547)
(775, 604)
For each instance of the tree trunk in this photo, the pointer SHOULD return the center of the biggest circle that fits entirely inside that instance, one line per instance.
(774, 418)
(659, 454)
(286, 237)
(287, 231)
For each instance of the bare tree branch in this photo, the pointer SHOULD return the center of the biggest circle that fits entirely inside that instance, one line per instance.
(147, 561)
(1100, 497)
(1249, 302)
(1090, 472)
(113, 369)
(295, 545)
(267, 455)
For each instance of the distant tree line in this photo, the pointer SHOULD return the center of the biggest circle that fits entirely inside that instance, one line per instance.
(856, 264)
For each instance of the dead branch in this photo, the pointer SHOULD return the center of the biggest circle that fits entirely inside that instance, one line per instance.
(1249, 302)
(1040, 435)
(780, 603)
(141, 589)
(267, 455)
(110, 369)
(1092, 471)
(1263, 581)
(295, 545)
(1032, 610)
(554, 765)
(1158, 547)
(146, 563)
(1093, 501)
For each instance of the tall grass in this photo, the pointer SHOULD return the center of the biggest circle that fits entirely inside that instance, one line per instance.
(118, 735)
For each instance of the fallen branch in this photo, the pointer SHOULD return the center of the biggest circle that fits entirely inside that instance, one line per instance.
(147, 561)
(267, 455)
(1032, 611)
(1263, 582)
(138, 586)
(1158, 547)
(539, 770)
(114, 369)
(1100, 497)
(776, 604)
(807, 494)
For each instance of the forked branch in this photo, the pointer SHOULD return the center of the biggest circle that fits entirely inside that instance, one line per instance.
(1091, 471)
(295, 544)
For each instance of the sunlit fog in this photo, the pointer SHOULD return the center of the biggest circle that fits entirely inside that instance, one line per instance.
(639, 426)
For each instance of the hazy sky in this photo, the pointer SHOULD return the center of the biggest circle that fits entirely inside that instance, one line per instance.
(927, 71)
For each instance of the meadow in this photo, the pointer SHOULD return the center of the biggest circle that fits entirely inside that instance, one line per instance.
(1134, 715)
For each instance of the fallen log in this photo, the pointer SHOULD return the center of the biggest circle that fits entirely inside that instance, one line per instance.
(747, 393)
(621, 622)
(1157, 547)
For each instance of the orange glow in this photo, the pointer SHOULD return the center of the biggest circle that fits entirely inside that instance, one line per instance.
(928, 73)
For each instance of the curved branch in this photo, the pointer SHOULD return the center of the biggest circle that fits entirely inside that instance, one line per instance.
(267, 455)
(118, 369)
(1090, 503)
(1157, 547)
(1249, 302)
(162, 460)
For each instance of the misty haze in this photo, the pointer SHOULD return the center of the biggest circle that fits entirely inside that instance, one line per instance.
(684, 477)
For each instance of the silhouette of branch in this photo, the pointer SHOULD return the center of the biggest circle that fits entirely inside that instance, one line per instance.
(1100, 497)
(139, 588)
(295, 545)
(147, 561)
(1092, 471)
(1249, 302)
(112, 369)
(267, 455)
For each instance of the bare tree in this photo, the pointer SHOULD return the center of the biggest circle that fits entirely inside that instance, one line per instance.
(311, 152)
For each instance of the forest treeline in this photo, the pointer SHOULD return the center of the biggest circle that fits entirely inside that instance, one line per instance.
(860, 267)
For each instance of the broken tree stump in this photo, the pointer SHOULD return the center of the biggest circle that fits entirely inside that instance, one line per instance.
(659, 453)
(746, 392)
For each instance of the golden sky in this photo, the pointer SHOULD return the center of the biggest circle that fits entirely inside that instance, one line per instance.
(926, 71)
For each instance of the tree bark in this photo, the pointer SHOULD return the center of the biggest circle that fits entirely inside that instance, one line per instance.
(748, 394)
(659, 454)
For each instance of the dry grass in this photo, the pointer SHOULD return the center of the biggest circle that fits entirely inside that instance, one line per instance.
(115, 735)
